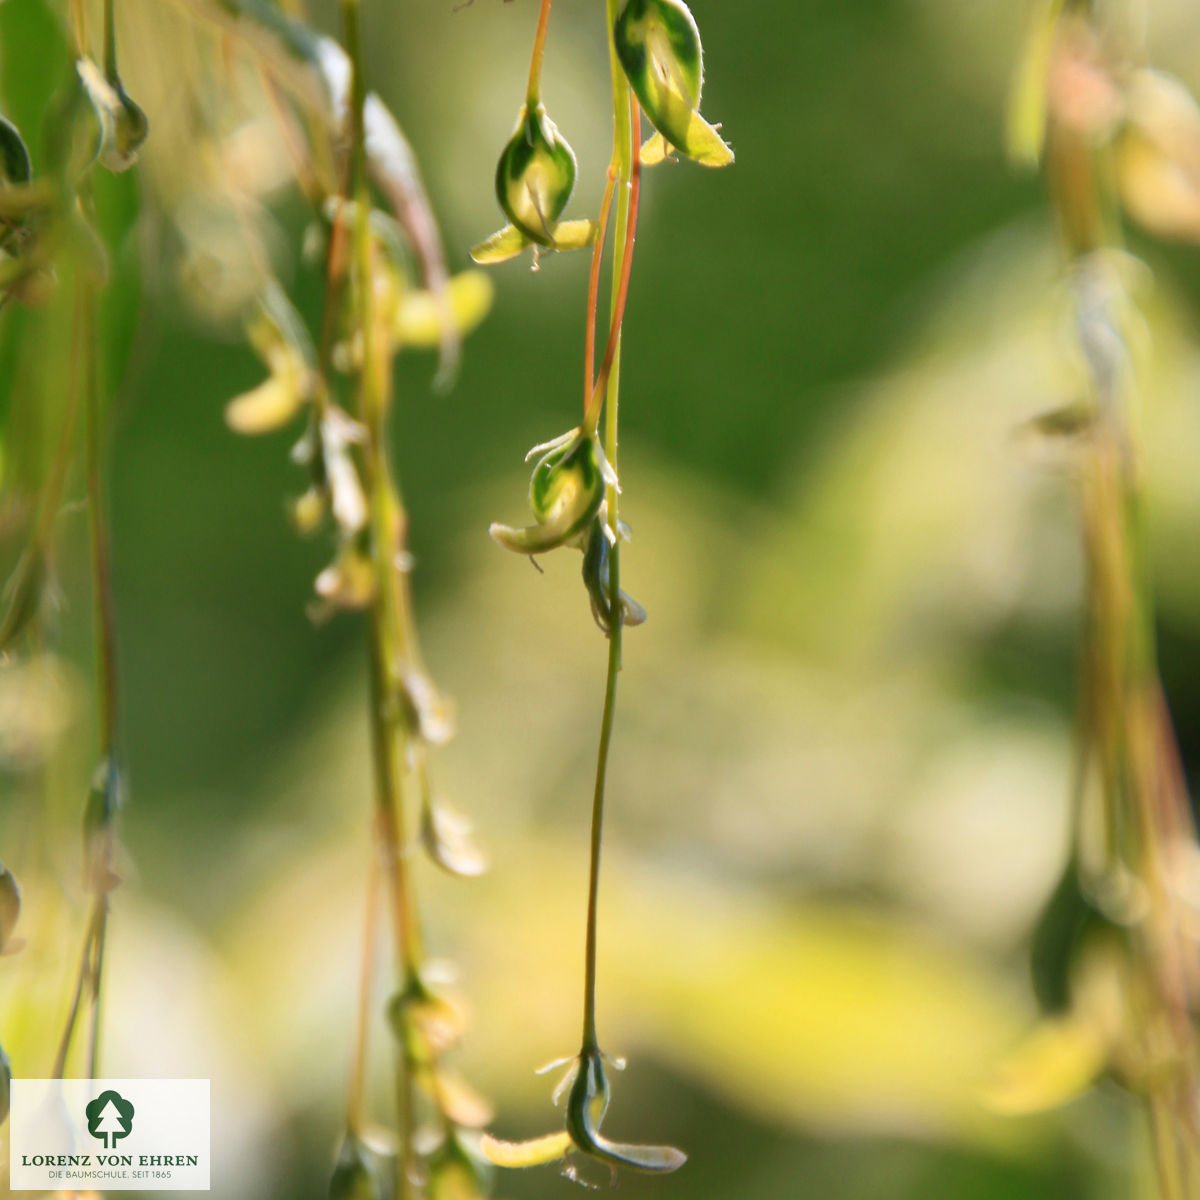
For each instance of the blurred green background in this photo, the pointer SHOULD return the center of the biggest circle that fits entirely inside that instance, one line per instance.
(842, 751)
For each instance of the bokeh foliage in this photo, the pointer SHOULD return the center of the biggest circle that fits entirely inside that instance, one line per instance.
(839, 797)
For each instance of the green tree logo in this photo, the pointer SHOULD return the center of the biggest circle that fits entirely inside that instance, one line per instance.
(109, 1118)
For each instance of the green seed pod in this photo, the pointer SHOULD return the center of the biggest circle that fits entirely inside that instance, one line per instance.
(658, 44)
(130, 128)
(535, 176)
(596, 556)
(354, 1176)
(14, 157)
(10, 905)
(586, 1107)
(565, 494)
(1069, 923)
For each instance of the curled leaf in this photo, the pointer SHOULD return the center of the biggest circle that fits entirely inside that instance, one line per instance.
(429, 715)
(447, 838)
(535, 176)
(596, 558)
(1027, 107)
(419, 314)
(277, 332)
(534, 1152)
(104, 801)
(269, 406)
(504, 244)
(128, 131)
(1059, 1060)
(1157, 157)
(509, 242)
(10, 906)
(1069, 922)
(565, 494)
(394, 166)
(14, 156)
(655, 150)
(658, 44)
(346, 585)
(355, 1176)
(576, 235)
(308, 510)
(586, 1108)
(461, 1103)
(326, 450)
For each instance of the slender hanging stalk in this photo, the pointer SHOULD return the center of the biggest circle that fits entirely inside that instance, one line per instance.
(382, 629)
(533, 93)
(104, 799)
(1131, 887)
(421, 1021)
(625, 173)
(656, 68)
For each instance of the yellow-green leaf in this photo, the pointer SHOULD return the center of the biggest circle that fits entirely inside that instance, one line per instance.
(504, 244)
(420, 316)
(1027, 108)
(532, 1153)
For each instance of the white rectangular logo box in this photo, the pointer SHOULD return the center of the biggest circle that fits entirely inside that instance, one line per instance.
(109, 1134)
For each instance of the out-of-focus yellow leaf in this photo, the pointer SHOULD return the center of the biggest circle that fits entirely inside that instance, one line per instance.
(420, 316)
(1027, 107)
(532, 1153)
(1158, 157)
(265, 408)
(1058, 1061)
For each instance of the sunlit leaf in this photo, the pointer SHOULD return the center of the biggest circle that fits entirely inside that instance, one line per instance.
(419, 315)
(1059, 1061)
(576, 234)
(1026, 130)
(1157, 157)
(270, 406)
(504, 244)
(534, 1152)
(658, 43)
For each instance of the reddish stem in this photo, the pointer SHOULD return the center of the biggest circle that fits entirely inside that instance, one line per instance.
(589, 350)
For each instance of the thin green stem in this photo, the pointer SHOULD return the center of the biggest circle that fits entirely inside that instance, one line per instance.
(110, 42)
(102, 602)
(626, 170)
(534, 90)
(392, 645)
(82, 975)
(1146, 807)
(358, 1056)
(97, 976)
